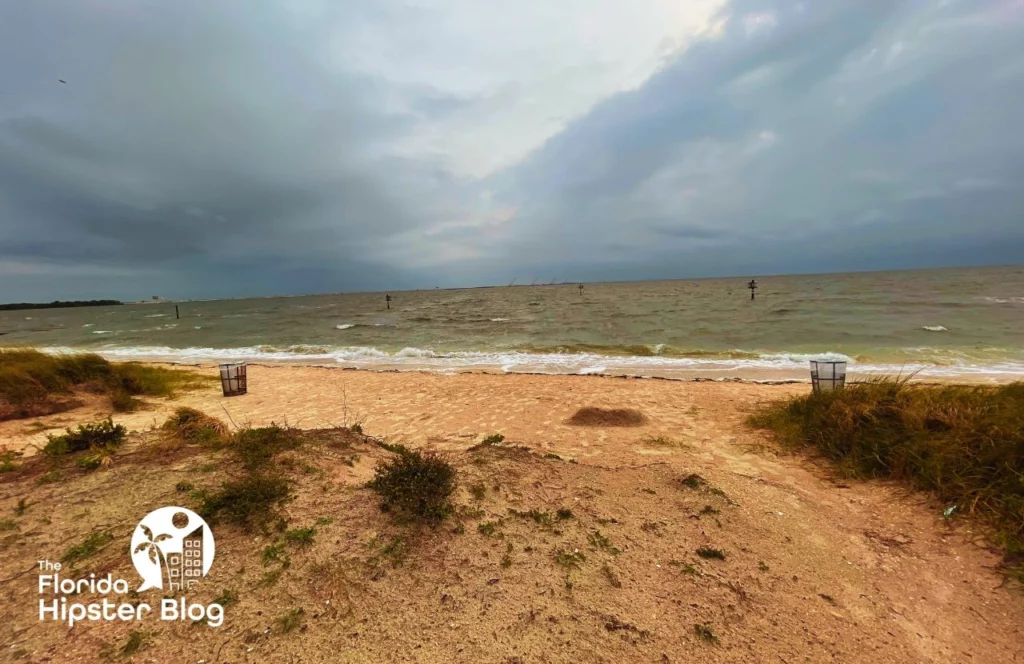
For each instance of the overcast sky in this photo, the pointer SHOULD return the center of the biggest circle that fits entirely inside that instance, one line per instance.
(247, 147)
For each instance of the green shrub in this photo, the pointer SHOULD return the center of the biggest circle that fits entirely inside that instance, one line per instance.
(965, 444)
(415, 486)
(103, 434)
(256, 447)
(249, 502)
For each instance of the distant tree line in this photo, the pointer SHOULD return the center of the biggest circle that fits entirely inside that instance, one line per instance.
(57, 304)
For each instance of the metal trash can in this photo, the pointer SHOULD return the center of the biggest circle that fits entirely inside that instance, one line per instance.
(827, 375)
(232, 379)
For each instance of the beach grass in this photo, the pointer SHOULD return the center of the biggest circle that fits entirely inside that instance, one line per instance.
(33, 383)
(965, 444)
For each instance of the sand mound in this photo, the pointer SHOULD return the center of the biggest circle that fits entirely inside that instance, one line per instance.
(607, 417)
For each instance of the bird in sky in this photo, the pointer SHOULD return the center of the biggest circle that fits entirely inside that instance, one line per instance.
(62, 81)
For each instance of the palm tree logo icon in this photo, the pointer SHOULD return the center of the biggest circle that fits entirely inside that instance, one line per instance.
(152, 545)
(172, 549)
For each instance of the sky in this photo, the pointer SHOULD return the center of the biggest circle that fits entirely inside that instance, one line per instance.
(271, 147)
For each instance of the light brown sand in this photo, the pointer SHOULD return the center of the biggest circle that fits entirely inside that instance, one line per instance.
(817, 570)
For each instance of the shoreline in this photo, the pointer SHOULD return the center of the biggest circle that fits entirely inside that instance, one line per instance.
(751, 376)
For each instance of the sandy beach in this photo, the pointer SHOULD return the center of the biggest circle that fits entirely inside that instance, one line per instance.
(817, 569)
(448, 411)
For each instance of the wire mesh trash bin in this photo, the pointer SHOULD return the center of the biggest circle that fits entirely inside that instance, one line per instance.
(232, 379)
(827, 375)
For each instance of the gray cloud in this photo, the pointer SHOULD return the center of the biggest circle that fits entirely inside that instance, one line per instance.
(235, 148)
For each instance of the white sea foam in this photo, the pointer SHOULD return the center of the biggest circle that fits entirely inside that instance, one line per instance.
(934, 328)
(498, 320)
(101, 331)
(345, 326)
(155, 315)
(1001, 300)
(552, 363)
(89, 325)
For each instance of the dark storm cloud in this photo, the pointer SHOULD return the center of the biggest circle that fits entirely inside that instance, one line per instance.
(852, 125)
(191, 133)
(228, 148)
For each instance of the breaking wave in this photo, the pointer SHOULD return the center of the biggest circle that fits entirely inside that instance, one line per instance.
(554, 362)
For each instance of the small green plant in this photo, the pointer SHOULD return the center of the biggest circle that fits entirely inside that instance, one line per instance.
(693, 481)
(599, 541)
(136, 640)
(564, 513)
(20, 508)
(290, 620)
(273, 553)
(7, 462)
(324, 520)
(356, 428)
(300, 536)
(270, 577)
(709, 553)
(762, 566)
(87, 547)
(705, 633)
(506, 560)
(542, 519)
(663, 441)
(493, 439)
(95, 457)
(708, 509)
(415, 487)
(195, 427)
(226, 598)
(104, 434)
(571, 559)
(396, 550)
(552, 455)
(50, 477)
(184, 487)
(7, 524)
(478, 490)
(612, 577)
(249, 502)
(488, 528)
(256, 447)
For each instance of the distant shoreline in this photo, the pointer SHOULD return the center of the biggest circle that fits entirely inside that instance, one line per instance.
(58, 304)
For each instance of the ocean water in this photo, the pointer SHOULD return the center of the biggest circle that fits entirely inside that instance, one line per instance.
(953, 322)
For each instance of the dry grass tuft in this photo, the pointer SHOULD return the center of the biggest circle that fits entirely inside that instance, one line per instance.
(965, 444)
(607, 417)
(34, 383)
(195, 427)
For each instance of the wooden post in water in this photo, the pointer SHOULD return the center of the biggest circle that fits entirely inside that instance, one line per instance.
(176, 316)
(753, 287)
